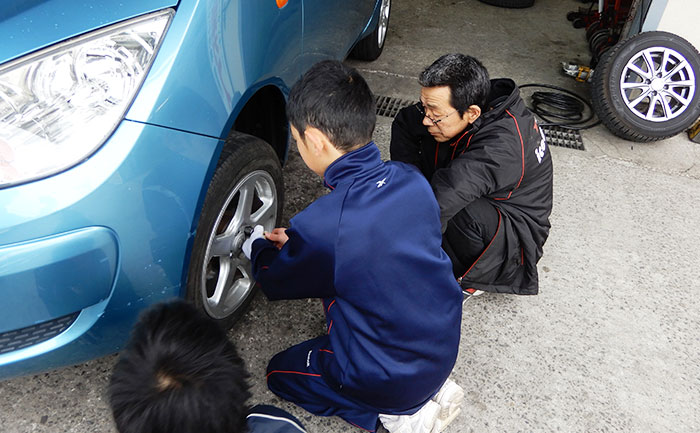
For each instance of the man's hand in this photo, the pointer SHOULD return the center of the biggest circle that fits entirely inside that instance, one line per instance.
(278, 237)
(248, 244)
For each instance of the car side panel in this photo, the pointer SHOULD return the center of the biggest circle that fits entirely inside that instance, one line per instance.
(213, 53)
(347, 20)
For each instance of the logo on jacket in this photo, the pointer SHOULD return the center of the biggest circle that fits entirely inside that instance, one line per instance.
(540, 151)
(381, 183)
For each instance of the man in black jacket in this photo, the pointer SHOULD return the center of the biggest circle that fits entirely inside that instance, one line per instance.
(490, 168)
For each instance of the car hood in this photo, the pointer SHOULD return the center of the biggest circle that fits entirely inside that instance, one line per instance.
(29, 25)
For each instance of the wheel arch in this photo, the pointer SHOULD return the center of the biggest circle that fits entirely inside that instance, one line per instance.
(371, 24)
(262, 114)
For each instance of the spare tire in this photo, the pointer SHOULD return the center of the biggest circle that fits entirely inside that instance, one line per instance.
(646, 87)
(512, 4)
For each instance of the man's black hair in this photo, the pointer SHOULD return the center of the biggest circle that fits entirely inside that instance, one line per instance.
(467, 78)
(179, 373)
(335, 99)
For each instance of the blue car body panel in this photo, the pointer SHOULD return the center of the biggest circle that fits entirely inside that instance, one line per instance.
(59, 275)
(344, 22)
(113, 234)
(146, 185)
(30, 25)
(217, 71)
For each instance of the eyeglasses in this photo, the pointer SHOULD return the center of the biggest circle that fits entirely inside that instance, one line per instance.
(421, 109)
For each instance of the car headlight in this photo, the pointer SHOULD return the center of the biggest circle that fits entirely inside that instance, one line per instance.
(58, 105)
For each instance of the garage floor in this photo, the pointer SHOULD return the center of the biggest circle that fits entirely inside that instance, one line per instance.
(611, 343)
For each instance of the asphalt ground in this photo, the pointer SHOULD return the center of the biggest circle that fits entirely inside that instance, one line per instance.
(611, 343)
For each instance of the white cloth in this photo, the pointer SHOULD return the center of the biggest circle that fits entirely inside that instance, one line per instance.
(248, 244)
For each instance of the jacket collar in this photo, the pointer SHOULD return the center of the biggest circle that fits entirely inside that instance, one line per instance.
(353, 164)
(504, 93)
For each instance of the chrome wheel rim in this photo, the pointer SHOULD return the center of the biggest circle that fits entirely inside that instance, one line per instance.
(227, 276)
(383, 25)
(657, 84)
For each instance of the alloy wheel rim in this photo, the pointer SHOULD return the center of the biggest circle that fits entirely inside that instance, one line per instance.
(383, 25)
(226, 277)
(657, 84)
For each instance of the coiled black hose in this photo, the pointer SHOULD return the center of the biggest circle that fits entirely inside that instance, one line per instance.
(564, 105)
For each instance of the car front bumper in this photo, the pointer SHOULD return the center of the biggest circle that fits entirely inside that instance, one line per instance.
(98, 243)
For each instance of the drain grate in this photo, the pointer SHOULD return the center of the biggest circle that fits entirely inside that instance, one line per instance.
(389, 107)
(31, 335)
(563, 137)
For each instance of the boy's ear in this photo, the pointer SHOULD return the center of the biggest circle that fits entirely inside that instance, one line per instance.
(316, 140)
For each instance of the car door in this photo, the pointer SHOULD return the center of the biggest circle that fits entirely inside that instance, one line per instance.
(331, 27)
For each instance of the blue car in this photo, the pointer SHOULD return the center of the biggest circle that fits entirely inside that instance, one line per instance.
(140, 141)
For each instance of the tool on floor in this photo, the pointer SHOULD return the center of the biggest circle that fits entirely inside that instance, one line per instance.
(580, 73)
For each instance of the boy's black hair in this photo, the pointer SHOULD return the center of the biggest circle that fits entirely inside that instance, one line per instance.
(467, 78)
(335, 99)
(179, 373)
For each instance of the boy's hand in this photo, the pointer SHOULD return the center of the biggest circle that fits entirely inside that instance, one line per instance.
(277, 236)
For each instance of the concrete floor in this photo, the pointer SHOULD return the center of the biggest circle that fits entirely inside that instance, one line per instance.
(611, 343)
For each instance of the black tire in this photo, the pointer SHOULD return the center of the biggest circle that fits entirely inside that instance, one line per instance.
(579, 23)
(573, 16)
(248, 167)
(598, 38)
(370, 47)
(649, 107)
(511, 4)
(592, 28)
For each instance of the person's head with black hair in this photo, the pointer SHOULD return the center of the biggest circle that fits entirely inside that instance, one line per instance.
(455, 91)
(179, 373)
(331, 104)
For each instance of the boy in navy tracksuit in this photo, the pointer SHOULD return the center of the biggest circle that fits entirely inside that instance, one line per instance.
(179, 373)
(371, 249)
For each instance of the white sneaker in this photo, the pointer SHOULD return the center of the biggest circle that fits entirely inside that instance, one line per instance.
(467, 294)
(449, 398)
(423, 421)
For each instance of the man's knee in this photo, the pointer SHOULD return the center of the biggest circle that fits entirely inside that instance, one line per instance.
(469, 233)
(479, 219)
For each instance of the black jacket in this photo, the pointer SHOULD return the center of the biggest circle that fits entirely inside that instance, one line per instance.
(503, 157)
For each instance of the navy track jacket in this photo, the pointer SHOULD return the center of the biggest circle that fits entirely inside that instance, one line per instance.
(371, 248)
(270, 419)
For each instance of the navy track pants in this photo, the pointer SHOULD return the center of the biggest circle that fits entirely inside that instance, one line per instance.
(300, 375)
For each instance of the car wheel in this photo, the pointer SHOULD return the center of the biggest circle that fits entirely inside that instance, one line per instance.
(511, 4)
(645, 88)
(246, 190)
(371, 46)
